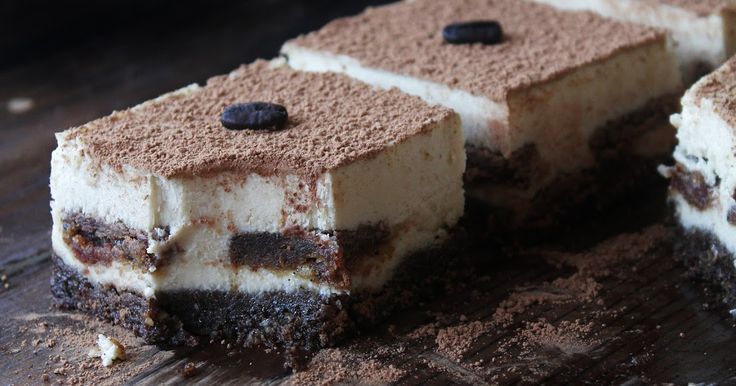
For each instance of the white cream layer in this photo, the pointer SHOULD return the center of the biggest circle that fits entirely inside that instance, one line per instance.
(698, 39)
(707, 144)
(414, 185)
(558, 116)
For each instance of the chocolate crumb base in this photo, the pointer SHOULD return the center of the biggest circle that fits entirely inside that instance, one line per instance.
(708, 260)
(300, 323)
(144, 317)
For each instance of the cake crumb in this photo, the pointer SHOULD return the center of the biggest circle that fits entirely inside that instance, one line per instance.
(108, 349)
(189, 370)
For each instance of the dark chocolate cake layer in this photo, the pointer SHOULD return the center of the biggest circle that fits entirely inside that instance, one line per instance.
(692, 186)
(299, 322)
(328, 255)
(708, 260)
(95, 242)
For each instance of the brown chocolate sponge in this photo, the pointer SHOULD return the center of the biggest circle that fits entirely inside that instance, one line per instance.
(96, 242)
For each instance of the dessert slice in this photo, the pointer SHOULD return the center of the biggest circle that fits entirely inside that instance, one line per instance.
(703, 179)
(704, 31)
(282, 222)
(539, 108)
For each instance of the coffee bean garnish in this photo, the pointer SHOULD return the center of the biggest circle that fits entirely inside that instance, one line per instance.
(486, 32)
(254, 116)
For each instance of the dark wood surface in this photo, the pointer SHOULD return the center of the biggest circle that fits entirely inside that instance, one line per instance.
(647, 322)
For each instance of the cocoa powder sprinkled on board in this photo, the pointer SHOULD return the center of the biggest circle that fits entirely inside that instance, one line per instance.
(341, 366)
(454, 341)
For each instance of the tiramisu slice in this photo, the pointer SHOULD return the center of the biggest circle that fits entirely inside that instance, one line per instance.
(539, 90)
(704, 31)
(269, 206)
(703, 179)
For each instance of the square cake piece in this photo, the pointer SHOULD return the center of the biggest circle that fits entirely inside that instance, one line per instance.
(538, 109)
(704, 31)
(182, 216)
(703, 179)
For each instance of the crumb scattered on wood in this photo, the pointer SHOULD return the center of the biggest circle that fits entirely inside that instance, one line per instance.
(108, 350)
(189, 370)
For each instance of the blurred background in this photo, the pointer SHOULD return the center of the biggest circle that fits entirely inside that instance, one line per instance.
(34, 29)
(68, 39)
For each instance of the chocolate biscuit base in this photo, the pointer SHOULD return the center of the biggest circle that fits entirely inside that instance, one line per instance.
(299, 322)
(622, 172)
(143, 316)
(708, 260)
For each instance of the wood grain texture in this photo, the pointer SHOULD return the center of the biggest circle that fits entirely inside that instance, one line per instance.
(649, 322)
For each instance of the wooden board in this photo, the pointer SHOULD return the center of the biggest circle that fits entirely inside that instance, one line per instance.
(643, 321)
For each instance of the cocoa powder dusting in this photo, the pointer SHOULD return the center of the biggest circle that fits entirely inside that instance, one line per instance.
(525, 340)
(700, 7)
(330, 124)
(719, 88)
